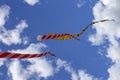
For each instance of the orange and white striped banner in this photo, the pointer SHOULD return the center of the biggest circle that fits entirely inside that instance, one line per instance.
(64, 36)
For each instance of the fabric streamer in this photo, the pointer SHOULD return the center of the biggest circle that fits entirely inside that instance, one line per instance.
(19, 55)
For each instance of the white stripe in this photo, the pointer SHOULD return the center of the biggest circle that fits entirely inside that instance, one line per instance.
(10, 55)
(1, 53)
(38, 55)
(44, 53)
(30, 55)
(21, 55)
(46, 37)
(39, 38)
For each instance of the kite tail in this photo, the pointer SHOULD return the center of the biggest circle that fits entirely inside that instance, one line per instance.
(51, 54)
(94, 22)
(19, 55)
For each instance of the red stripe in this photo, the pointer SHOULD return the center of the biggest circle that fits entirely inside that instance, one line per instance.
(70, 35)
(45, 53)
(40, 55)
(15, 56)
(43, 37)
(51, 54)
(3, 55)
(25, 55)
(33, 55)
(58, 36)
(49, 36)
(65, 34)
(62, 35)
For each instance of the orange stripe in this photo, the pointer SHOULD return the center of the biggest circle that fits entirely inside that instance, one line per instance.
(54, 36)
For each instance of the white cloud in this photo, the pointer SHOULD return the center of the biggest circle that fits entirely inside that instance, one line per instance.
(63, 64)
(32, 48)
(32, 2)
(84, 76)
(10, 36)
(16, 71)
(43, 68)
(80, 3)
(4, 11)
(40, 68)
(13, 36)
(114, 71)
(75, 75)
(25, 40)
(2, 62)
(108, 31)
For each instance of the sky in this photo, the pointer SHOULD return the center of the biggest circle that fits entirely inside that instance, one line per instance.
(95, 57)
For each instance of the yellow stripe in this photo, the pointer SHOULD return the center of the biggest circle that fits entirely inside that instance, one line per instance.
(64, 37)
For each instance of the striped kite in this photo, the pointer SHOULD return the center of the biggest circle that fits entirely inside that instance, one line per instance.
(20, 56)
(66, 36)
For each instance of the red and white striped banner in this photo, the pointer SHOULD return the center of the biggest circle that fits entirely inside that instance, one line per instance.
(19, 55)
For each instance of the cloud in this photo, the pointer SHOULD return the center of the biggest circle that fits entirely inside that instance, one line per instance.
(25, 40)
(13, 36)
(9, 37)
(42, 68)
(84, 76)
(37, 67)
(16, 71)
(4, 12)
(32, 48)
(108, 31)
(114, 71)
(32, 2)
(75, 75)
(2, 62)
(80, 3)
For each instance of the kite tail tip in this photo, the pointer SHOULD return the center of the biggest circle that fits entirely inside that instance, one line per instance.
(52, 54)
(113, 20)
(39, 38)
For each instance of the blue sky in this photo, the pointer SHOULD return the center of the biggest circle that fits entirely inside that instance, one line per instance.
(91, 58)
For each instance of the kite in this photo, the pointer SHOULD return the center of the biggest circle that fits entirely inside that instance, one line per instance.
(66, 36)
(20, 56)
